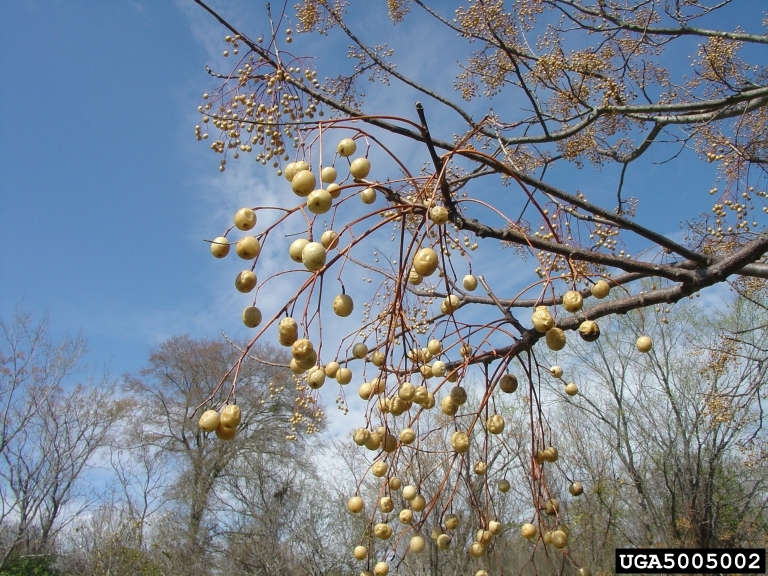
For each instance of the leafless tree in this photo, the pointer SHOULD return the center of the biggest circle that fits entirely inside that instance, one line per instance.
(666, 444)
(52, 431)
(179, 376)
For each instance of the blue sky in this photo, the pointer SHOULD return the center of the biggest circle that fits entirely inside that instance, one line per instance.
(102, 206)
(105, 196)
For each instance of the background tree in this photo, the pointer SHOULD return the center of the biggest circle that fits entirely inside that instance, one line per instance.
(280, 516)
(660, 440)
(180, 373)
(271, 511)
(111, 541)
(52, 431)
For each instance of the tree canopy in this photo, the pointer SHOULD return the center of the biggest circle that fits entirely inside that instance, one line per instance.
(525, 198)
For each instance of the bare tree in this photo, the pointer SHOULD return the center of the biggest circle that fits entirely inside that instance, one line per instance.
(661, 442)
(279, 516)
(179, 375)
(32, 367)
(109, 541)
(143, 477)
(51, 436)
